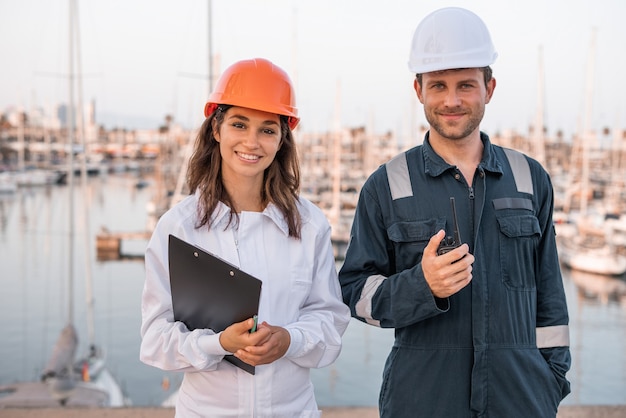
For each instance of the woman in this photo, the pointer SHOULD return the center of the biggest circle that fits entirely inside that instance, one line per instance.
(245, 208)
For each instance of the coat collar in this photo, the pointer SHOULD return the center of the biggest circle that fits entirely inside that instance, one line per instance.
(221, 216)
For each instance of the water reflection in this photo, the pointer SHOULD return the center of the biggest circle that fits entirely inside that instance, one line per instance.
(6, 204)
(34, 261)
(604, 289)
(597, 340)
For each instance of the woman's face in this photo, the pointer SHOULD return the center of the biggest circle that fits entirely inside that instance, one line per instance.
(249, 140)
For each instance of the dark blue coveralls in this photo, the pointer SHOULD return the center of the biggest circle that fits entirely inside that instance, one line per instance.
(498, 348)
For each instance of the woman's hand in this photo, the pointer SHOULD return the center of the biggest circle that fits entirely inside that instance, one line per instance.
(268, 349)
(238, 336)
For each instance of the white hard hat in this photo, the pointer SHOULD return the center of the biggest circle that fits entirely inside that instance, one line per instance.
(448, 38)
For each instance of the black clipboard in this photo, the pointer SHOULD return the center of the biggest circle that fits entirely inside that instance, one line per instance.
(208, 292)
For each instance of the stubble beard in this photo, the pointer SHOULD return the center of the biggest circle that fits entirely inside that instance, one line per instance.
(456, 130)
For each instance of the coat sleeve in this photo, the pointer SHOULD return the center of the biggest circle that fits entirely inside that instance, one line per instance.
(376, 293)
(165, 343)
(323, 318)
(552, 312)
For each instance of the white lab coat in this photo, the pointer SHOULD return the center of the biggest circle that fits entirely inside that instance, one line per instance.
(300, 292)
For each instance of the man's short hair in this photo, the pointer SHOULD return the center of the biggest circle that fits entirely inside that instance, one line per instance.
(487, 74)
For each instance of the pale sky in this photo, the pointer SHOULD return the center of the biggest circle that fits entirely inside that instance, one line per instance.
(144, 59)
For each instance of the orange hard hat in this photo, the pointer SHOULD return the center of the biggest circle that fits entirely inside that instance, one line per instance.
(255, 84)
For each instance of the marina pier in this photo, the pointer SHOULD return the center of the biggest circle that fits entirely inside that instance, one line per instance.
(109, 245)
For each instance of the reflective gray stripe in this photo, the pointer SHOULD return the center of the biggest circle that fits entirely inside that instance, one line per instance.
(400, 182)
(521, 171)
(555, 336)
(363, 307)
(512, 203)
(398, 177)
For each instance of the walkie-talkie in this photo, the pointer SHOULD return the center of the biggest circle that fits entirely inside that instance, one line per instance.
(450, 243)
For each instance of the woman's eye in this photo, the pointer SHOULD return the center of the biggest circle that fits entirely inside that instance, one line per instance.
(238, 125)
(269, 131)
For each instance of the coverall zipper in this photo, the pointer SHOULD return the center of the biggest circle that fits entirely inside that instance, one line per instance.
(471, 206)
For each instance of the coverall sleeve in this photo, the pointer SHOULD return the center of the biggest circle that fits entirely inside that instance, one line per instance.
(552, 313)
(371, 286)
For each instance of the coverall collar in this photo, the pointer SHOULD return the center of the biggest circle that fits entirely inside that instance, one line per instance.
(434, 165)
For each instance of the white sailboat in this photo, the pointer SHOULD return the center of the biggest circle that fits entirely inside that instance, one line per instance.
(589, 244)
(93, 365)
(8, 185)
(592, 253)
(28, 176)
(65, 380)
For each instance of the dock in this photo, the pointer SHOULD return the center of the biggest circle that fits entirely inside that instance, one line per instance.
(565, 411)
(109, 245)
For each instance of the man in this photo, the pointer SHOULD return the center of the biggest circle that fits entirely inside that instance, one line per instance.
(480, 315)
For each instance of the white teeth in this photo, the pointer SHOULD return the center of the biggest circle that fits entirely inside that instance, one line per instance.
(249, 157)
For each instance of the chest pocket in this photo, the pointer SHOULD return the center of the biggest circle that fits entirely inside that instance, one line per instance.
(519, 237)
(409, 238)
(520, 233)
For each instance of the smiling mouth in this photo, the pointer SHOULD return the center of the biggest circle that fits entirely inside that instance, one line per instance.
(248, 157)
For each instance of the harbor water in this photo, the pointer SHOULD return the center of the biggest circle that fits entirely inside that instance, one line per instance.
(34, 301)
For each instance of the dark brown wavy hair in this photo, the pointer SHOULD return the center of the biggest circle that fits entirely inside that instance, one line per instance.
(281, 180)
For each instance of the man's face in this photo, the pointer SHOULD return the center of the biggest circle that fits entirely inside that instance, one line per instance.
(454, 101)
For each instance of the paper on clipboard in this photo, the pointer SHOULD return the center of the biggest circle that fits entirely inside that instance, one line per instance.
(208, 292)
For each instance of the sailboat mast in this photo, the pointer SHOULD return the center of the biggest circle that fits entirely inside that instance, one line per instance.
(83, 184)
(70, 169)
(210, 48)
(586, 134)
(539, 138)
(182, 174)
(21, 151)
(335, 209)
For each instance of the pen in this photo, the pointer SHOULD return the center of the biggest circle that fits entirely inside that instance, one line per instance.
(256, 319)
